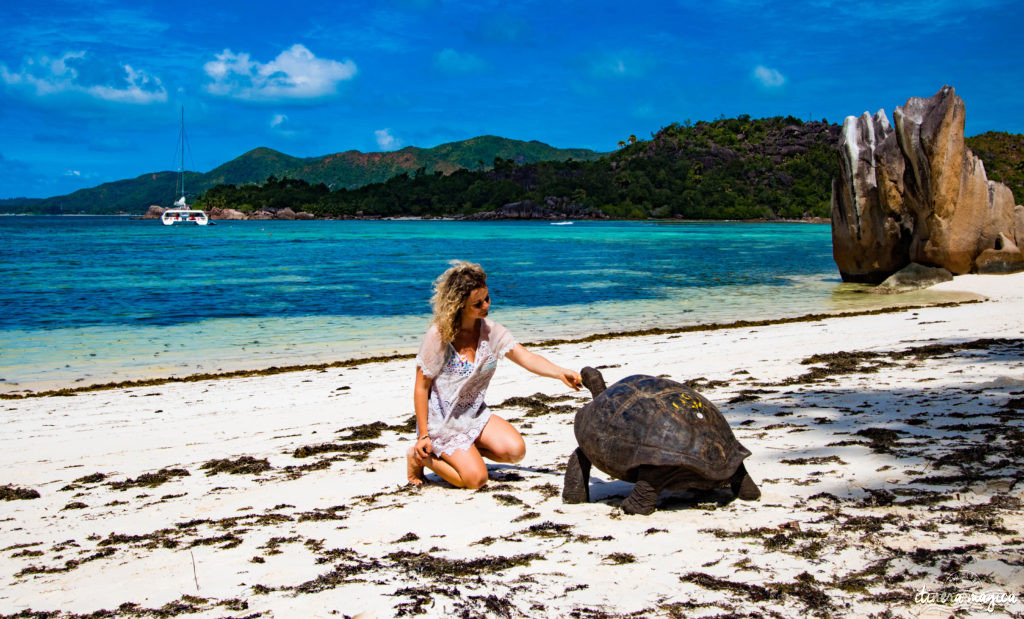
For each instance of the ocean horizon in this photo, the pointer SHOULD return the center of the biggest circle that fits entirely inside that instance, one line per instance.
(97, 299)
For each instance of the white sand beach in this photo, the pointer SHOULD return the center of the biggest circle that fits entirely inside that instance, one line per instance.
(891, 481)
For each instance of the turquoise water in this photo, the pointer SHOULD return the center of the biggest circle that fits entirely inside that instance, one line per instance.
(94, 299)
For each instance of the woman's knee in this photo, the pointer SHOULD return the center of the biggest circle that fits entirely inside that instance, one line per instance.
(475, 478)
(516, 451)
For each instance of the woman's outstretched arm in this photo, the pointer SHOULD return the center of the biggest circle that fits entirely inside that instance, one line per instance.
(542, 367)
(421, 393)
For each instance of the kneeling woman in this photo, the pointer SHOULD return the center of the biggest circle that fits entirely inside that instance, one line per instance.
(457, 359)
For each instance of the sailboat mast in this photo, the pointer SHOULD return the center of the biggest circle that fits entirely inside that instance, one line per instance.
(181, 167)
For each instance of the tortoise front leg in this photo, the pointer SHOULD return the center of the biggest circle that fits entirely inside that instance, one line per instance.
(645, 493)
(577, 479)
(743, 485)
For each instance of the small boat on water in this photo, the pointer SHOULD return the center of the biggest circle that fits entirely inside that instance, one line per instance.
(561, 223)
(180, 213)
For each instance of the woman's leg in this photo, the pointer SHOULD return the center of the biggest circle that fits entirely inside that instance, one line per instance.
(500, 442)
(463, 468)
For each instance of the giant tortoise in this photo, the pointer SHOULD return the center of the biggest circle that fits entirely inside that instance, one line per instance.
(658, 434)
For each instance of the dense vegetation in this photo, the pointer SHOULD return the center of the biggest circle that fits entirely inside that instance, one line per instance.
(729, 168)
(1003, 154)
(349, 169)
(737, 168)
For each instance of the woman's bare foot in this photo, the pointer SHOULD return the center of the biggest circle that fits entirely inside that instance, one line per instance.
(414, 467)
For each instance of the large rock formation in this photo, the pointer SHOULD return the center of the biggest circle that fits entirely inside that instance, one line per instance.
(912, 277)
(225, 213)
(154, 212)
(916, 193)
(552, 208)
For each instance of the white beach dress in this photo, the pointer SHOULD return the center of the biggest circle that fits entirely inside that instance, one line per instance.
(456, 412)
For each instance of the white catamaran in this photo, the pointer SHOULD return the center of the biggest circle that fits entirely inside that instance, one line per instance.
(180, 213)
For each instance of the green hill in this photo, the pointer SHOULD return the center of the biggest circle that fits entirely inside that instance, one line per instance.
(728, 168)
(1003, 154)
(732, 168)
(350, 169)
(254, 166)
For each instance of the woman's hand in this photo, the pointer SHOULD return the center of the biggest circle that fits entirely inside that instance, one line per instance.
(571, 378)
(423, 448)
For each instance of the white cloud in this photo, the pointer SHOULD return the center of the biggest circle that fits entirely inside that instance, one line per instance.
(72, 173)
(385, 140)
(295, 74)
(769, 78)
(621, 64)
(451, 62)
(286, 127)
(76, 73)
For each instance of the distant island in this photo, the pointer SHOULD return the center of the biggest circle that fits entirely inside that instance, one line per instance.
(730, 168)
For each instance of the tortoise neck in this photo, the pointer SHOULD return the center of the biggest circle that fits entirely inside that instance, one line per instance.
(593, 381)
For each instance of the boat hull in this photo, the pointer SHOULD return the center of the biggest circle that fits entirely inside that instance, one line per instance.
(184, 216)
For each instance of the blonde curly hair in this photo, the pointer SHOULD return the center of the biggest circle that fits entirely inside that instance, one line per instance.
(451, 289)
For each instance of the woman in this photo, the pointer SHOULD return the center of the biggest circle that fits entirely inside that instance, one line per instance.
(455, 429)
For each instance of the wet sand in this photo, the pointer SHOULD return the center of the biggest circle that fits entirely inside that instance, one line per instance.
(887, 448)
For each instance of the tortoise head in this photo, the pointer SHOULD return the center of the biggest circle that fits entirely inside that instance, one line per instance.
(593, 381)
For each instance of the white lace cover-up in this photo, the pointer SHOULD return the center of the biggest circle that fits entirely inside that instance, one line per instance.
(456, 412)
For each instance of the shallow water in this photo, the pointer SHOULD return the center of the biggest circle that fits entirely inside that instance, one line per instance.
(95, 299)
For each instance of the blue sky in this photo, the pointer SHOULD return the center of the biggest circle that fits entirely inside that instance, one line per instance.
(90, 91)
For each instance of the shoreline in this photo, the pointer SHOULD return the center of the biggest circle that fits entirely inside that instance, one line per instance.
(357, 361)
(756, 220)
(886, 447)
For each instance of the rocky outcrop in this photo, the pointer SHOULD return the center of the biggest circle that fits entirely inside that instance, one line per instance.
(552, 208)
(226, 213)
(154, 212)
(285, 213)
(912, 277)
(303, 215)
(1005, 257)
(914, 192)
(1018, 224)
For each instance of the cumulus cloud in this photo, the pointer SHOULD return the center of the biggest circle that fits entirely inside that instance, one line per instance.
(385, 140)
(452, 62)
(286, 127)
(619, 65)
(77, 73)
(769, 78)
(295, 74)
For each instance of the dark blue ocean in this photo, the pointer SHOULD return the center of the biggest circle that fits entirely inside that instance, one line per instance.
(92, 299)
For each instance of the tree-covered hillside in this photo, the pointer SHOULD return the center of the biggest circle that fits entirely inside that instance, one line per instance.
(1003, 154)
(737, 168)
(349, 169)
(729, 168)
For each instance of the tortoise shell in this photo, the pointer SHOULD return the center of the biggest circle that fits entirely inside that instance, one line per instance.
(649, 421)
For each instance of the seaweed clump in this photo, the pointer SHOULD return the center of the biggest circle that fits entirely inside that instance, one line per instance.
(150, 480)
(452, 570)
(814, 460)
(358, 450)
(95, 478)
(370, 431)
(246, 465)
(14, 493)
(538, 404)
(803, 588)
